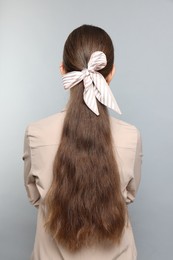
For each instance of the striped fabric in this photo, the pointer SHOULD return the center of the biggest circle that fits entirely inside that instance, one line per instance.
(95, 85)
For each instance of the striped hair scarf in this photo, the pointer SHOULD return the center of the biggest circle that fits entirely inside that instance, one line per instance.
(95, 85)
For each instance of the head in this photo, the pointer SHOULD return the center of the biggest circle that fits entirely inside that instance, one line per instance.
(79, 46)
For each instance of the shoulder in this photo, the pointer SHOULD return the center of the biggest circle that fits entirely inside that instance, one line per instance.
(47, 122)
(46, 131)
(124, 134)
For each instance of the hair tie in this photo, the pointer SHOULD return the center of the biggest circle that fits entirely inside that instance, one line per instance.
(95, 85)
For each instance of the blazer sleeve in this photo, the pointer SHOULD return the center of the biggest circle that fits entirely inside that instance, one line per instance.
(133, 184)
(29, 178)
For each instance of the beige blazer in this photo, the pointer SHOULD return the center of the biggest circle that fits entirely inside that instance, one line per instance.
(41, 142)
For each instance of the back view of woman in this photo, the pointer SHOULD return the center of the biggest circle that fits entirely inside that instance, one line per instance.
(82, 167)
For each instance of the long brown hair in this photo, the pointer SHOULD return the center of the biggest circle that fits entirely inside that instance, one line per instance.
(84, 203)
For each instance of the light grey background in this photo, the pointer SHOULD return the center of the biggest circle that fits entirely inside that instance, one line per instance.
(32, 33)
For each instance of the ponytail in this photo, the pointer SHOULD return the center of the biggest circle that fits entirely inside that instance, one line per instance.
(84, 203)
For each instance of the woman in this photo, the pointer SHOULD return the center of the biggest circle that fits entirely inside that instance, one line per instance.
(82, 167)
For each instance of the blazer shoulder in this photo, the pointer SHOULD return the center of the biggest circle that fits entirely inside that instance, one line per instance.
(124, 134)
(46, 131)
(47, 121)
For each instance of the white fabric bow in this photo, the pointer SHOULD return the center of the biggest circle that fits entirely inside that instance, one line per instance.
(95, 85)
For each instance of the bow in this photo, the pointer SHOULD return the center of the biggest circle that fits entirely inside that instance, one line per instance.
(95, 85)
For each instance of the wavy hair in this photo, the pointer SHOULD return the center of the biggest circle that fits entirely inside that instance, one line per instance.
(84, 204)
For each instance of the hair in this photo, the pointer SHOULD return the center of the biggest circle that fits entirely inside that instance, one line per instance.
(84, 204)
